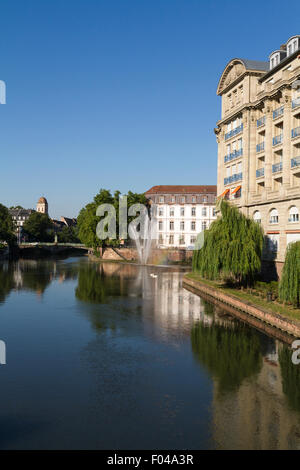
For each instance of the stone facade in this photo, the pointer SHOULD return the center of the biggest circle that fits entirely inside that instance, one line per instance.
(259, 143)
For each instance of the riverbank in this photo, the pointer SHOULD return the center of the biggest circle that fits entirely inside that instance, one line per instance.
(285, 318)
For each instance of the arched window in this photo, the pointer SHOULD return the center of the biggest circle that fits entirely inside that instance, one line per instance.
(257, 217)
(293, 214)
(274, 216)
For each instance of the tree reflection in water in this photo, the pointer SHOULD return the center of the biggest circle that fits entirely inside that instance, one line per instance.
(290, 376)
(231, 353)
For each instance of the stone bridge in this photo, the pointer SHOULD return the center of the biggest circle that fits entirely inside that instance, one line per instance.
(53, 247)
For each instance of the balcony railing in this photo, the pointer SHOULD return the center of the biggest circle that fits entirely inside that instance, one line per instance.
(234, 132)
(233, 178)
(295, 132)
(278, 112)
(233, 155)
(261, 122)
(296, 103)
(260, 172)
(260, 147)
(277, 167)
(295, 162)
(278, 139)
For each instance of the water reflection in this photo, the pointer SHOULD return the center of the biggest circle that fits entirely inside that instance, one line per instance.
(165, 368)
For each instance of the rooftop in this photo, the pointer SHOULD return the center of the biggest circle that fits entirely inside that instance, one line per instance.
(176, 189)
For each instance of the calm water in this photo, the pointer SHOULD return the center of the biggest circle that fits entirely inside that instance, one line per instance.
(105, 356)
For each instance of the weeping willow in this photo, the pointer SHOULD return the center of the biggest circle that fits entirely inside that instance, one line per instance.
(289, 286)
(232, 247)
(230, 354)
(290, 374)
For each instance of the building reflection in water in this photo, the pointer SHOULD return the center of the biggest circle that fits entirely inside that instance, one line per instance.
(256, 388)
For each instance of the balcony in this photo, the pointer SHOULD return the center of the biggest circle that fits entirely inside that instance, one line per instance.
(261, 122)
(260, 147)
(233, 155)
(278, 112)
(278, 139)
(260, 172)
(234, 132)
(295, 162)
(233, 178)
(296, 132)
(296, 103)
(277, 167)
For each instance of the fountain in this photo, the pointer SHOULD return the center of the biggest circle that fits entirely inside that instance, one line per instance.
(144, 237)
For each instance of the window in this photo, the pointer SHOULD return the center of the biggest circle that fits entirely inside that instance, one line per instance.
(173, 199)
(193, 225)
(171, 211)
(160, 239)
(293, 214)
(205, 199)
(193, 199)
(171, 240)
(160, 225)
(193, 212)
(161, 199)
(161, 211)
(182, 200)
(274, 216)
(214, 212)
(193, 239)
(203, 225)
(181, 240)
(204, 211)
(181, 225)
(182, 211)
(257, 217)
(171, 225)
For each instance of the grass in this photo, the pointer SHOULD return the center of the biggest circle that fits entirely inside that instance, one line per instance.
(286, 311)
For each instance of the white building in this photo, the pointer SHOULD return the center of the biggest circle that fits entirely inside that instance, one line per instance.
(182, 212)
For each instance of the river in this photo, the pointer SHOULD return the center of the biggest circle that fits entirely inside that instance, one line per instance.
(118, 356)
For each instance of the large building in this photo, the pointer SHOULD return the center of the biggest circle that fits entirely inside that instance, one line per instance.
(182, 212)
(259, 143)
(19, 216)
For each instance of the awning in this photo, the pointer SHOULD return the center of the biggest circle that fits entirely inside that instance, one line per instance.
(236, 189)
(225, 192)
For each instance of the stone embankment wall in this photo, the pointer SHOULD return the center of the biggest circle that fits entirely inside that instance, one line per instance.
(157, 256)
(290, 326)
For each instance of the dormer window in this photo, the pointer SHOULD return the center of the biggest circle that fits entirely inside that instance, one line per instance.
(292, 45)
(274, 59)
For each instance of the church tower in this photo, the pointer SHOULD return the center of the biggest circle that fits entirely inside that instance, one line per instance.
(42, 206)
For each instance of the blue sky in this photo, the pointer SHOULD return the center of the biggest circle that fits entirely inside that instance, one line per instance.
(119, 94)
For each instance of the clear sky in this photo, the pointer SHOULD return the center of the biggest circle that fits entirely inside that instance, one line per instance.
(119, 94)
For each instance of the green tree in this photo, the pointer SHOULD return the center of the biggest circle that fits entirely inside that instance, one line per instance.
(230, 353)
(232, 248)
(7, 229)
(38, 227)
(68, 235)
(87, 219)
(289, 285)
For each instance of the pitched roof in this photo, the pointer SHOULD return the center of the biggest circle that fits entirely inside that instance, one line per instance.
(255, 65)
(176, 189)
